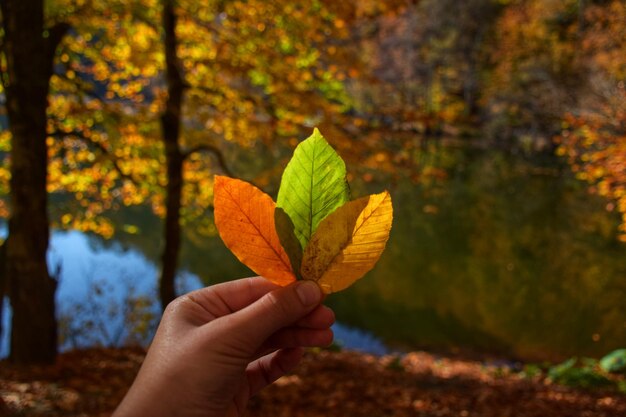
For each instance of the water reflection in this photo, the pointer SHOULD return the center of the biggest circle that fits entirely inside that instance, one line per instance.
(100, 293)
(107, 296)
(506, 255)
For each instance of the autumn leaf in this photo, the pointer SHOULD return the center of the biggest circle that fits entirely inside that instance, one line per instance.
(313, 232)
(348, 243)
(288, 239)
(244, 217)
(313, 186)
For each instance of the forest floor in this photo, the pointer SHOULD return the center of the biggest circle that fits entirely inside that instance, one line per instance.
(92, 382)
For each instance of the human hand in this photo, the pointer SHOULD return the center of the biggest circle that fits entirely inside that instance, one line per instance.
(218, 346)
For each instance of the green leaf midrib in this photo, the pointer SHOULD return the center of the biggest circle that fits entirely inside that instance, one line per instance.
(311, 195)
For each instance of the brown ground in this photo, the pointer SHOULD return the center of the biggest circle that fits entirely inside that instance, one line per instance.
(92, 382)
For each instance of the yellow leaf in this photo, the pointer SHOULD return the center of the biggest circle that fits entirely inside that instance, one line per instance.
(348, 243)
(244, 217)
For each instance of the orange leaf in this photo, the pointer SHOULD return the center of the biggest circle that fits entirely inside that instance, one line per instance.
(244, 217)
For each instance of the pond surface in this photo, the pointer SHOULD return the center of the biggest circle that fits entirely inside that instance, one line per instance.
(505, 256)
(496, 253)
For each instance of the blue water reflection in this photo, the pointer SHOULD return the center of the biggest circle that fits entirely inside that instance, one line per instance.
(107, 297)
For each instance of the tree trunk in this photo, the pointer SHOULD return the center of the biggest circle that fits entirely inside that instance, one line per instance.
(582, 23)
(3, 283)
(170, 125)
(29, 58)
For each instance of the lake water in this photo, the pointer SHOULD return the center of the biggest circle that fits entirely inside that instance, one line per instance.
(106, 296)
(496, 253)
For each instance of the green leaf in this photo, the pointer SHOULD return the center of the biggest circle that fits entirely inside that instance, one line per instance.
(313, 186)
(614, 362)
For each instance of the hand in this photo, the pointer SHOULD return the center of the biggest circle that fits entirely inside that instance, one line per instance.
(218, 346)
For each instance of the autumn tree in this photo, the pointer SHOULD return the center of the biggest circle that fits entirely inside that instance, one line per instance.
(269, 66)
(171, 126)
(425, 63)
(533, 70)
(593, 135)
(144, 85)
(126, 102)
(28, 48)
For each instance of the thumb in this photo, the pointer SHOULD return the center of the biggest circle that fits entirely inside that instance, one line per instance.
(275, 310)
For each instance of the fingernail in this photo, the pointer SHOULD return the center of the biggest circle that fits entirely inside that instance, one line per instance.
(308, 292)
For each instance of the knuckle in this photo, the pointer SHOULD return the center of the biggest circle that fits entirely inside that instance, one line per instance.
(279, 306)
(173, 307)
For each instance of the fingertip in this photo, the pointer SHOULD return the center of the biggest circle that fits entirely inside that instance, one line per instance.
(275, 310)
(308, 292)
(330, 314)
(327, 338)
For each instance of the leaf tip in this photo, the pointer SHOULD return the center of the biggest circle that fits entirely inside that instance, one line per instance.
(219, 179)
(317, 135)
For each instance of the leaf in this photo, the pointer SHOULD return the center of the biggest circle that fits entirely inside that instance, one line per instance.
(244, 217)
(342, 240)
(348, 243)
(313, 185)
(614, 362)
(288, 240)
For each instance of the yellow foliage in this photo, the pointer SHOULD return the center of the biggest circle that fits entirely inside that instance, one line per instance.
(254, 71)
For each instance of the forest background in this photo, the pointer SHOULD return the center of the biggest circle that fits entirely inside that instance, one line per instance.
(110, 108)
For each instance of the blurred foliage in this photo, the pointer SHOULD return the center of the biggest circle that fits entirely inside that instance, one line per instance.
(593, 136)
(579, 373)
(258, 75)
(254, 74)
(614, 362)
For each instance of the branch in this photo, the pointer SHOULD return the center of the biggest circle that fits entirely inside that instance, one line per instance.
(55, 35)
(100, 147)
(203, 24)
(215, 152)
(254, 100)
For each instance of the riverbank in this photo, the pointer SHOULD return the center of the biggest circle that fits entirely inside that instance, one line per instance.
(92, 382)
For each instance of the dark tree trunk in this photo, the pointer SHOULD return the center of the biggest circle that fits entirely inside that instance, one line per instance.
(170, 124)
(582, 23)
(3, 282)
(29, 58)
